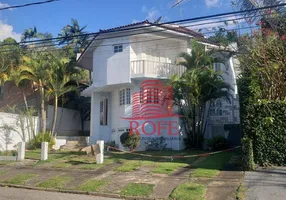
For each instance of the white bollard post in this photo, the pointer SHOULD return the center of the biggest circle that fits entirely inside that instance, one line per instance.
(44, 151)
(99, 157)
(21, 151)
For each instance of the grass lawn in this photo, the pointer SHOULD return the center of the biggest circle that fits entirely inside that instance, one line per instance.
(55, 182)
(92, 185)
(3, 172)
(205, 173)
(137, 189)
(6, 162)
(168, 167)
(210, 167)
(240, 193)
(61, 165)
(189, 191)
(20, 179)
(131, 165)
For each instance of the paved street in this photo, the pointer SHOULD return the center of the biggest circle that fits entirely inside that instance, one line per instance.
(23, 194)
(265, 184)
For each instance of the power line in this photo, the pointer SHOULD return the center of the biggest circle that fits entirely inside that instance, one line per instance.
(177, 3)
(151, 25)
(28, 4)
(61, 49)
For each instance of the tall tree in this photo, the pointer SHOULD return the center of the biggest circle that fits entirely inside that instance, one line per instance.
(192, 91)
(73, 36)
(60, 80)
(198, 85)
(34, 69)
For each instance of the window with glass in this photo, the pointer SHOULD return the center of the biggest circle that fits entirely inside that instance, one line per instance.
(125, 96)
(103, 112)
(117, 48)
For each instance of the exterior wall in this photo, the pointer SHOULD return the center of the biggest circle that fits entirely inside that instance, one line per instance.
(159, 49)
(116, 125)
(109, 67)
(68, 121)
(13, 121)
(229, 110)
(12, 95)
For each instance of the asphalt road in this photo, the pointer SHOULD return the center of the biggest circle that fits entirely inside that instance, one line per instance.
(266, 184)
(24, 194)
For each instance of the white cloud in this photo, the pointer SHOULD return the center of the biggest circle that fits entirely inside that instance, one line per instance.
(6, 31)
(152, 13)
(5, 5)
(212, 3)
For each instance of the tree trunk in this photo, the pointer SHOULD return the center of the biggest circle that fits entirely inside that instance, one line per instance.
(55, 116)
(206, 121)
(199, 126)
(43, 111)
(26, 115)
(194, 123)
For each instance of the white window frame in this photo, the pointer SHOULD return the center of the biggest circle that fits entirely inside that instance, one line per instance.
(104, 112)
(117, 48)
(125, 96)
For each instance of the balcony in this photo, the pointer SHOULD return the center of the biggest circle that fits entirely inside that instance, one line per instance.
(153, 69)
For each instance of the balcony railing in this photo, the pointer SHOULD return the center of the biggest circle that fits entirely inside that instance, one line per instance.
(146, 68)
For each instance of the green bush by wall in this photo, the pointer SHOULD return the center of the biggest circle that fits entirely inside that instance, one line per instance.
(265, 124)
(247, 154)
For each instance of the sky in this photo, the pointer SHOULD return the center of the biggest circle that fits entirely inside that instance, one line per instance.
(99, 14)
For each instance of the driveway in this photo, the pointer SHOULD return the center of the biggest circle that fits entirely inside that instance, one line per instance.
(23, 194)
(265, 184)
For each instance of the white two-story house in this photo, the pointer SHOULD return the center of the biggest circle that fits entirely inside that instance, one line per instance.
(121, 59)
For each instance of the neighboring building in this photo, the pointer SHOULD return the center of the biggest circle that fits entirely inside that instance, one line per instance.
(121, 59)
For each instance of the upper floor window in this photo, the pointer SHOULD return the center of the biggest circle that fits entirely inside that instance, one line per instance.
(117, 48)
(124, 96)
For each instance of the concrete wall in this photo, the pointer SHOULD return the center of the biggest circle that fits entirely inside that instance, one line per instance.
(16, 136)
(68, 121)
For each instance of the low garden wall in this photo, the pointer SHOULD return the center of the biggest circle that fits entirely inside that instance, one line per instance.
(14, 129)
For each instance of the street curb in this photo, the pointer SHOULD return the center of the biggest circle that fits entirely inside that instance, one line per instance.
(77, 192)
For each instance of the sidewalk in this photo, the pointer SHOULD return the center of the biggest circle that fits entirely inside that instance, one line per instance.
(265, 184)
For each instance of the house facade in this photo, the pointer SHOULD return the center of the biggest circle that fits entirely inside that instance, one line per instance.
(122, 60)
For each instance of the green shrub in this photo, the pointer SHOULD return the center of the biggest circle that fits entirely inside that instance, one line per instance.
(130, 140)
(217, 143)
(265, 124)
(36, 141)
(247, 154)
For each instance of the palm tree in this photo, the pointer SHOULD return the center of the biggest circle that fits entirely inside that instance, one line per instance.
(192, 91)
(30, 34)
(70, 34)
(34, 69)
(192, 88)
(60, 81)
(198, 57)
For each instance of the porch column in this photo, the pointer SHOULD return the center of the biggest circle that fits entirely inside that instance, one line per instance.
(95, 118)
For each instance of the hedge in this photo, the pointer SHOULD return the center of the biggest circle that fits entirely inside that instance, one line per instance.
(265, 124)
(247, 154)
